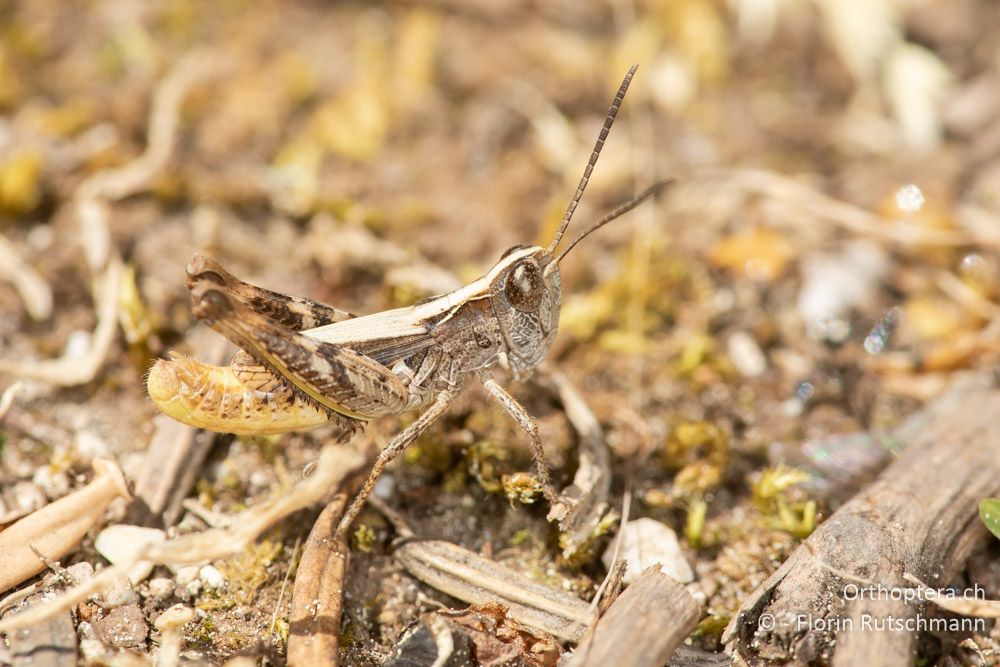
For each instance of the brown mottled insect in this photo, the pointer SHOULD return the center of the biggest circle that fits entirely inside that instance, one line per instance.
(303, 364)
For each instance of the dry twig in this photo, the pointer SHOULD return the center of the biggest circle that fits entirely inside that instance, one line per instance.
(70, 371)
(174, 457)
(643, 627)
(592, 481)
(92, 197)
(472, 578)
(314, 621)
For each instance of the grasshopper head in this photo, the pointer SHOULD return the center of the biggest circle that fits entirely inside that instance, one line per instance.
(525, 294)
(524, 285)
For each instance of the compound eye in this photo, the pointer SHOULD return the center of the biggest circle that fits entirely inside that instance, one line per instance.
(524, 287)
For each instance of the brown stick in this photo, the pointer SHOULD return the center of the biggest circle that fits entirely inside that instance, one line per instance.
(643, 627)
(918, 518)
(317, 597)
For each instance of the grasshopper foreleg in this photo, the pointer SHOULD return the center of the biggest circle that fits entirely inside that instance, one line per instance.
(391, 451)
(527, 423)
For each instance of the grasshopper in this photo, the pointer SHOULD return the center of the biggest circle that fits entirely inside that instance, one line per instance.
(302, 363)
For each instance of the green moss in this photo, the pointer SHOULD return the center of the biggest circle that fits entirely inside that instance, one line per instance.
(521, 487)
(699, 451)
(713, 625)
(780, 502)
(695, 524)
(364, 538)
(245, 574)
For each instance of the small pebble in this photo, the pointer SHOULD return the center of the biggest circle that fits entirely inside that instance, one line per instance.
(55, 483)
(161, 588)
(123, 627)
(186, 574)
(77, 343)
(27, 497)
(119, 594)
(94, 652)
(746, 355)
(647, 542)
(81, 571)
(85, 630)
(211, 577)
(910, 198)
(259, 480)
(834, 283)
(193, 587)
(89, 446)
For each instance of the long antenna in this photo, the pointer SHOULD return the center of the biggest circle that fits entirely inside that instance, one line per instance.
(621, 210)
(608, 122)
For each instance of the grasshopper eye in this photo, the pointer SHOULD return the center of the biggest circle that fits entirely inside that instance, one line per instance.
(524, 287)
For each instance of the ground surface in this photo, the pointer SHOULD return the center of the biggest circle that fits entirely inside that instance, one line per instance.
(792, 287)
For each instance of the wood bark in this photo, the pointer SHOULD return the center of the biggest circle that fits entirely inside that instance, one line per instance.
(643, 627)
(919, 517)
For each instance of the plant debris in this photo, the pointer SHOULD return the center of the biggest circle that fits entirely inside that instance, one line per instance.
(736, 357)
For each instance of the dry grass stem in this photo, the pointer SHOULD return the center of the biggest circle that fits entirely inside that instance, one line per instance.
(120, 182)
(317, 597)
(466, 575)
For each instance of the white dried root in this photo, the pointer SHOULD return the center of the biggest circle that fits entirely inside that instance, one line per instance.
(69, 371)
(7, 398)
(113, 184)
(170, 624)
(34, 291)
(91, 201)
(57, 528)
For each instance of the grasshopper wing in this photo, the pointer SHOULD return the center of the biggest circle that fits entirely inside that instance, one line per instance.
(334, 376)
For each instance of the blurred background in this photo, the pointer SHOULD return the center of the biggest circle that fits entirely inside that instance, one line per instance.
(824, 263)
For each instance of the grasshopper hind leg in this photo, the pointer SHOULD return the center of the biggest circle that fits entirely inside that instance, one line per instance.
(391, 451)
(334, 376)
(293, 312)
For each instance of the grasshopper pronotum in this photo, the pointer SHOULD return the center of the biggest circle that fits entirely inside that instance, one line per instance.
(303, 364)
